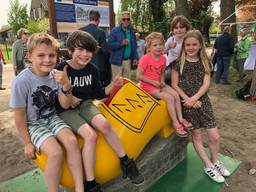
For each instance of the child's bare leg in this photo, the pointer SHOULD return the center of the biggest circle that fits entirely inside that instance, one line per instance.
(74, 160)
(128, 165)
(170, 104)
(101, 124)
(53, 166)
(89, 149)
(214, 143)
(198, 145)
(177, 102)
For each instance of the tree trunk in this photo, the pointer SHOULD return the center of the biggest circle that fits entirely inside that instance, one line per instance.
(159, 17)
(182, 8)
(227, 15)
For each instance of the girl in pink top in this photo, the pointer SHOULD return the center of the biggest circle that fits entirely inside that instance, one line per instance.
(150, 72)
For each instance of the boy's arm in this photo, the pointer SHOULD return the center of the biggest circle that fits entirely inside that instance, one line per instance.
(65, 99)
(61, 77)
(116, 82)
(20, 117)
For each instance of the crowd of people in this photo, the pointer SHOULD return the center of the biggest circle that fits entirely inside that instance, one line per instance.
(53, 103)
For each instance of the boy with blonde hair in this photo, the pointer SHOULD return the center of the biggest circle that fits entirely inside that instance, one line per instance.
(34, 93)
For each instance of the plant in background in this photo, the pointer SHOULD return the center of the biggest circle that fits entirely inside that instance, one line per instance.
(17, 15)
(40, 25)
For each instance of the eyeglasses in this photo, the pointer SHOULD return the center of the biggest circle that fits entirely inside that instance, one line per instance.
(126, 19)
(26, 33)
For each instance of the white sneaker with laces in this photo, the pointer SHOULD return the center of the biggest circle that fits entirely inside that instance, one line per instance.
(220, 166)
(214, 174)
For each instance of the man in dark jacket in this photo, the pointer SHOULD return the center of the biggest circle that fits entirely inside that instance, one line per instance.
(101, 58)
(123, 46)
(224, 45)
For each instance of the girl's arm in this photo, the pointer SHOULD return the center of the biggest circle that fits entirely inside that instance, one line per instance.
(191, 102)
(162, 81)
(20, 117)
(141, 77)
(203, 89)
(175, 82)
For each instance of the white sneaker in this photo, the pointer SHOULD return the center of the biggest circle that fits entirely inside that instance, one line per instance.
(214, 174)
(220, 166)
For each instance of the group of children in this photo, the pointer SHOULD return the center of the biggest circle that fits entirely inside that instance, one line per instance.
(73, 85)
(187, 101)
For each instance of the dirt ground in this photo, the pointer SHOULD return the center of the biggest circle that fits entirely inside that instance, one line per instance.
(236, 120)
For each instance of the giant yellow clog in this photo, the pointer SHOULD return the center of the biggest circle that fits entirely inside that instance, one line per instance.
(136, 117)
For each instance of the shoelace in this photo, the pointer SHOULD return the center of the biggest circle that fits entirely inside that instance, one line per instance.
(219, 165)
(213, 172)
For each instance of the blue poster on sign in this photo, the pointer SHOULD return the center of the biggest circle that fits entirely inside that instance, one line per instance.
(82, 14)
(86, 2)
(65, 12)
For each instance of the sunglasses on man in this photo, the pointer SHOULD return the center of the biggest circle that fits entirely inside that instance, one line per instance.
(25, 33)
(126, 19)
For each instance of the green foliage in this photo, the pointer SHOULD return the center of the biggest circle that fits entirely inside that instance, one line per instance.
(148, 15)
(214, 28)
(17, 15)
(35, 26)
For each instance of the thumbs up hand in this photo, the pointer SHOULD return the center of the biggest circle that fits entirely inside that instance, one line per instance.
(62, 77)
(172, 44)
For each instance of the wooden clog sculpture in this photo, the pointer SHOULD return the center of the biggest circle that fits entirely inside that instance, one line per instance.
(136, 117)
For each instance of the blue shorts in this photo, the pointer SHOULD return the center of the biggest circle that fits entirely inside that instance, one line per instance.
(42, 129)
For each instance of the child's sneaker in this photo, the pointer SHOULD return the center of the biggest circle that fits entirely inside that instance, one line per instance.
(220, 167)
(131, 171)
(96, 188)
(214, 174)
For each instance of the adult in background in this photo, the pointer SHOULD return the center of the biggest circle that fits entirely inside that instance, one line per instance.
(1, 69)
(224, 45)
(242, 52)
(100, 59)
(19, 51)
(123, 46)
(141, 45)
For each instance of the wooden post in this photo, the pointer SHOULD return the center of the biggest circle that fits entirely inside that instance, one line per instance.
(52, 18)
(111, 14)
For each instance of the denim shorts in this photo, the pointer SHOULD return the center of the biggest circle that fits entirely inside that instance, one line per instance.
(42, 129)
(80, 115)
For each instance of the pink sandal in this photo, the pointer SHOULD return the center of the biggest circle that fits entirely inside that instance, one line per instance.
(187, 125)
(179, 130)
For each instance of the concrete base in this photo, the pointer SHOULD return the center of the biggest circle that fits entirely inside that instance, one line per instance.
(159, 156)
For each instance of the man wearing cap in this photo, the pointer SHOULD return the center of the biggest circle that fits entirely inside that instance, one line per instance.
(123, 46)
